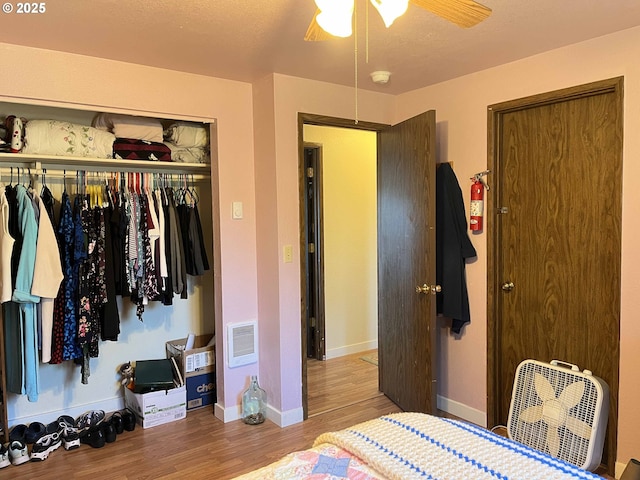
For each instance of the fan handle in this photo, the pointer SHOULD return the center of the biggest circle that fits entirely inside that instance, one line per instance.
(557, 363)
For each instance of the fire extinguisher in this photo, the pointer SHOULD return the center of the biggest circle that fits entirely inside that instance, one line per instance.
(476, 209)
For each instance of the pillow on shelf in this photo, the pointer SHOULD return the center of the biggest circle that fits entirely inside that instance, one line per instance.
(130, 126)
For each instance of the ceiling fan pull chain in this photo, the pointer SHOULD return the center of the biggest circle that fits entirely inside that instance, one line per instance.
(366, 36)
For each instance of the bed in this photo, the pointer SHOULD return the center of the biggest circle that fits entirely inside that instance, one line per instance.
(414, 445)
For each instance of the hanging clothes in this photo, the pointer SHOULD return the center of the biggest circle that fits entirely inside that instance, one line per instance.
(201, 261)
(6, 250)
(47, 277)
(163, 207)
(20, 312)
(49, 203)
(58, 286)
(453, 247)
(178, 267)
(196, 262)
(109, 315)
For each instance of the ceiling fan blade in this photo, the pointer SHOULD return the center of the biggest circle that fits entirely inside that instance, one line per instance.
(315, 33)
(464, 13)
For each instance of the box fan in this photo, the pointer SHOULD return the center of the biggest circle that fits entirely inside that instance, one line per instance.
(559, 410)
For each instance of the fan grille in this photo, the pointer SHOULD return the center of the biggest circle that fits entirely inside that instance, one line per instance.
(552, 415)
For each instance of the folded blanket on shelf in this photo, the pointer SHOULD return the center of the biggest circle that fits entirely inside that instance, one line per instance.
(130, 126)
(53, 137)
(133, 149)
(187, 155)
(185, 135)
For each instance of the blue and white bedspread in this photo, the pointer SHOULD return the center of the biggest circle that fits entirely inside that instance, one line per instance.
(413, 445)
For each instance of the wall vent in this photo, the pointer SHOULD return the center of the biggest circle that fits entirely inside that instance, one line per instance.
(243, 343)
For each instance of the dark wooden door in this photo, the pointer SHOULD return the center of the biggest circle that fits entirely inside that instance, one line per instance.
(555, 238)
(406, 259)
(313, 244)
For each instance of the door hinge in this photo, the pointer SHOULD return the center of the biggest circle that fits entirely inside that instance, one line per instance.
(310, 172)
(503, 210)
(312, 248)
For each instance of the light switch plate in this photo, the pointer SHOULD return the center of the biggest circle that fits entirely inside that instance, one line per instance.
(236, 210)
(288, 254)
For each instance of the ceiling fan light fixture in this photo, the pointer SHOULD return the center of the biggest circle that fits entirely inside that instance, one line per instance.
(389, 10)
(380, 76)
(335, 16)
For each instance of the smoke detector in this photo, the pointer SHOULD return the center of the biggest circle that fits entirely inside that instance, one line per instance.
(380, 77)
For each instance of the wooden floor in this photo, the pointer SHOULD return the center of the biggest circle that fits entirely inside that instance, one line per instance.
(340, 382)
(201, 446)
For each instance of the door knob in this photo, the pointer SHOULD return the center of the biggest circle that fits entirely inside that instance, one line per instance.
(507, 286)
(426, 289)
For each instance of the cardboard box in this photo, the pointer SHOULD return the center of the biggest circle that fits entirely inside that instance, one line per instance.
(201, 390)
(198, 369)
(195, 361)
(156, 408)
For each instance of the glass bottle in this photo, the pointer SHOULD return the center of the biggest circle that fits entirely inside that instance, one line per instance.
(254, 403)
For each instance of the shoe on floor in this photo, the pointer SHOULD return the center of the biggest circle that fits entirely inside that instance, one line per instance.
(94, 437)
(52, 427)
(88, 420)
(116, 421)
(4, 456)
(69, 435)
(44, 446)
(34, 432)
(67, 419)
(18, 452)
(128, 420)
(17, 433)
(108, 430)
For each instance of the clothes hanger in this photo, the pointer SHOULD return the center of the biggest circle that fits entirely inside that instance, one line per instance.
(194, 193)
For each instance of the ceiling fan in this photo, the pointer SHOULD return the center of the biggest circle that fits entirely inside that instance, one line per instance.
(334, 17)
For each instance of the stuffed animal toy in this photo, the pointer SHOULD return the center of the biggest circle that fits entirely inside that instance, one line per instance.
(126, 370)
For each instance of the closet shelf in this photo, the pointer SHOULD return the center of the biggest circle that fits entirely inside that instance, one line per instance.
(38, 162)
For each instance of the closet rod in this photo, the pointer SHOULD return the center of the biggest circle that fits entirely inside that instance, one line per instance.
(36, 162)
(34, 174)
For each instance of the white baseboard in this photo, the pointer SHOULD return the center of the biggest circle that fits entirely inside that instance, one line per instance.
(228, 414)
(463, 411)
(350, 349)
(108, 405)
(282, 419)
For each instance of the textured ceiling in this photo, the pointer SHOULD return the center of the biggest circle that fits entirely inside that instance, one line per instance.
(245, 40)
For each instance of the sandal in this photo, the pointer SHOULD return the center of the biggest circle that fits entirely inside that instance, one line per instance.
(128, 420)
(117, 421)
(108, 430)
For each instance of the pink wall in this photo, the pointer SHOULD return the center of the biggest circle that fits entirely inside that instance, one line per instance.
(267, 242)
(279, 283)
(461, 111)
